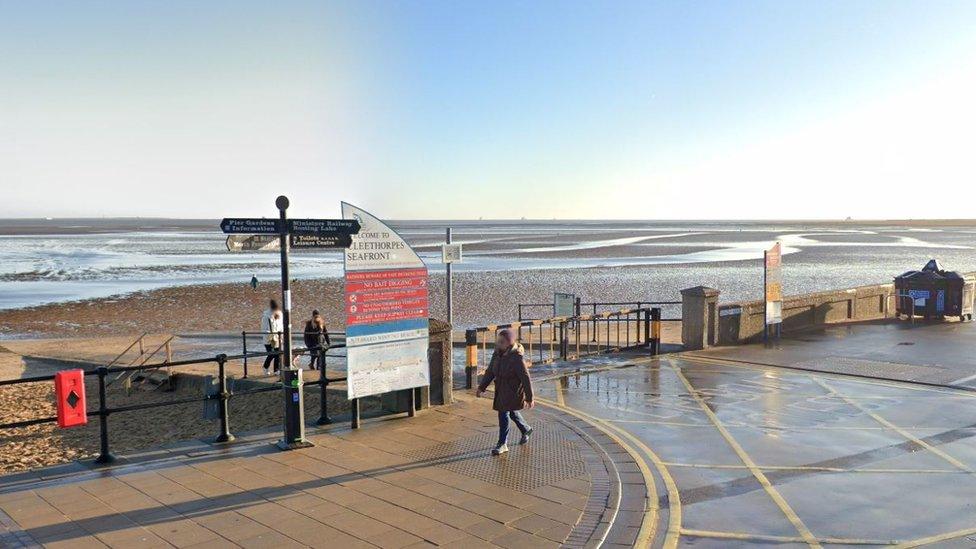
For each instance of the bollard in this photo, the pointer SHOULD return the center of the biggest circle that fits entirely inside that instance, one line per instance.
(104, 456)
(656, 330)
(244, 351)
(294, 428)
(647, 327)
(224, 404)
(471, 362)
(563, 341)
(324, 418)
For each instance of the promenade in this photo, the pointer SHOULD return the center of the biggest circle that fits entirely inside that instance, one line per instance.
(706, 449)
(395, 483)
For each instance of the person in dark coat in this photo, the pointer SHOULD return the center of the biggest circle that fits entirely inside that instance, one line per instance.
(315, 337)
(513, 388)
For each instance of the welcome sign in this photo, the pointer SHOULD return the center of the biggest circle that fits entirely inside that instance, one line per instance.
(386, 310)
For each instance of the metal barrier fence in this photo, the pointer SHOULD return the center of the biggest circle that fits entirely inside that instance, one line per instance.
(568, 338)
(222, 396)
(526, 310)
(245, 334)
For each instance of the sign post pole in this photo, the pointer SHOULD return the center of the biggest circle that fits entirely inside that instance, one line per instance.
(450, 285)
(773, 291)
(291, 381)
(261, 234)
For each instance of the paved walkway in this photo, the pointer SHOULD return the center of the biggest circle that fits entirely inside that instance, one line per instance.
(745, 455)
(394, 483)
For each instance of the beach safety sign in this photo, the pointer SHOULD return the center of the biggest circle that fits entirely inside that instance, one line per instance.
(386, 308)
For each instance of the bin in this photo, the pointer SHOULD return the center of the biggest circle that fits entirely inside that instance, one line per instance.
(934, 292)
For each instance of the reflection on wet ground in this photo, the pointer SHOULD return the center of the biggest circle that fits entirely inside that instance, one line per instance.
(743, 455)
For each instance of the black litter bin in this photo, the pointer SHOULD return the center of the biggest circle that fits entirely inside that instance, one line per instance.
(934, 293)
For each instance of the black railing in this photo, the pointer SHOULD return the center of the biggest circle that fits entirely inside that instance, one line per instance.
(568, 338)
(535, 311)
(222, 396)
(245, 334)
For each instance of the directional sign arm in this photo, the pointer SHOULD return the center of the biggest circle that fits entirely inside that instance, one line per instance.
(323, 226)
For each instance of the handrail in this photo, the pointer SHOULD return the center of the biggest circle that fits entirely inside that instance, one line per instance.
(131, 345)
(580, 306)
(565, 338)
(144, 358)
(245, 333)
(222, 396)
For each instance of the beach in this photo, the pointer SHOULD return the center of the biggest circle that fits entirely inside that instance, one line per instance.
(112, 282)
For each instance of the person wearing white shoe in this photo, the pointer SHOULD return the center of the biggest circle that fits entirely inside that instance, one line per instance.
(513, 388)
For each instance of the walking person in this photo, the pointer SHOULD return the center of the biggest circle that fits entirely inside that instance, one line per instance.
(272, 325)
(513, 388)
(316, 335)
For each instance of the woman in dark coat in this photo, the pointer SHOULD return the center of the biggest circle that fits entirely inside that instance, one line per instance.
(315, 337)
(513, 388)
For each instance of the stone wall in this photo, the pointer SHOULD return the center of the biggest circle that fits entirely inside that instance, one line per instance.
(743, 322)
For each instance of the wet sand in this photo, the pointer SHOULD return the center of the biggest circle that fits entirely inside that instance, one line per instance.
(480, 298)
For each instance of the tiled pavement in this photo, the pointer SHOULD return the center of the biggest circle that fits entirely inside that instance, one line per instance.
(421, 482)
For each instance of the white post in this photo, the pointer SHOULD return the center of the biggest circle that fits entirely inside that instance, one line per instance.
(450, 287)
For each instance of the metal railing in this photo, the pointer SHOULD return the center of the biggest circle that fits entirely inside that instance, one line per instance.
(527, 311)
(222, 396)
(567, 338)
(245, 334)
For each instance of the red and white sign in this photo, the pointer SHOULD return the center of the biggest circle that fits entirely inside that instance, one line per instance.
(386, 310)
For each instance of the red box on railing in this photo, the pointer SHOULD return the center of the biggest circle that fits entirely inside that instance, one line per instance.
(69, 393)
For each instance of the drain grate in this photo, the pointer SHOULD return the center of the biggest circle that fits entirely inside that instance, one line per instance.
(552, 456)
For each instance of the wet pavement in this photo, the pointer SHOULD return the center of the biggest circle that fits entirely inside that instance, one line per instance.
(937, 352)
(742, 455)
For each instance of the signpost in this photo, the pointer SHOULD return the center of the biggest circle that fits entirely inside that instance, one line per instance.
(243, 225)
(272, 243)
(252, 243)
(321, 240)
(386, 312)
(450, 254)
(310, 233)
(773, 289)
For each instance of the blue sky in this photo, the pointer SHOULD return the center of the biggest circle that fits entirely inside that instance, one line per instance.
(492, 109)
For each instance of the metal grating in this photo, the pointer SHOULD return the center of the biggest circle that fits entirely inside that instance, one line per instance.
(553, 455)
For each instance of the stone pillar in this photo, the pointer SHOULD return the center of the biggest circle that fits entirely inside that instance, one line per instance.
(440, 354)
(699, 317)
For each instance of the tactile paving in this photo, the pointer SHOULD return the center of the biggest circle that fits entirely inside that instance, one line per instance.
(552, 455)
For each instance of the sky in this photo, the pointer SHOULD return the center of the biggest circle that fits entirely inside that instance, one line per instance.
(463, 110)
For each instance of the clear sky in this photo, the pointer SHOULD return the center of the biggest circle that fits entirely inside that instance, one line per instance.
(423, 109)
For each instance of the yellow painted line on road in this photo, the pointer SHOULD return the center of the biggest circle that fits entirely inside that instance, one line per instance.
(815, 468)
(936, 538)
(745, 536)
(787, 369)
(560, 399)
(649, 523)
(955, 462)
(774, 494)
(779, 427)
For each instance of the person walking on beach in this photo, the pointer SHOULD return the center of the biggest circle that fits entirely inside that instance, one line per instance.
(272, 324)
(315, 336)
(513, 387)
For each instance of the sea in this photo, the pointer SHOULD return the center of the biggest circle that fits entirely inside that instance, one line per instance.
(53, 260)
